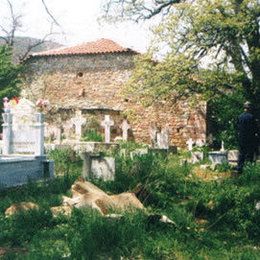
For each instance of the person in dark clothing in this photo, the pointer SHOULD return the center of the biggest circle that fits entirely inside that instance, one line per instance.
(247, 136)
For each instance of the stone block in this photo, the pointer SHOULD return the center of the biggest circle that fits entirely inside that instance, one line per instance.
(196, 156)
(103, 168)
(218, 157)
(233, 155)
(18, 170)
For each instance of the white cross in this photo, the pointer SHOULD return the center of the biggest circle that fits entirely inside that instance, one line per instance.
(107, 123)
(190, 144)
(222, 146)
(125, 127)
(78, 121)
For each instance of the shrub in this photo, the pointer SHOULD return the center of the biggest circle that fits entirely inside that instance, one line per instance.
(65, 160)
(92, 135)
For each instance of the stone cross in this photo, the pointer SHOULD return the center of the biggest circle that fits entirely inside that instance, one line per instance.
(125, 127)
(78, 121)
(163, 139)
(190, 144)
(153, 132)
(107, 123)
(222, 146)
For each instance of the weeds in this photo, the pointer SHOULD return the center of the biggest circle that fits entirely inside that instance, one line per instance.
(216, 219)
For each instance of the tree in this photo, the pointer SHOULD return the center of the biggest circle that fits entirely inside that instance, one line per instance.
(9, 75)
(206, 47)
(137, 10)
(224, 31)
(8, 32)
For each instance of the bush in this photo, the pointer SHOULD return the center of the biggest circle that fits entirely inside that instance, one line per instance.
(223, 114)
(65, 160)
(92, 135)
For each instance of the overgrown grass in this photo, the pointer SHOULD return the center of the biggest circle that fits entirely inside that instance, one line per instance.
(214, 219)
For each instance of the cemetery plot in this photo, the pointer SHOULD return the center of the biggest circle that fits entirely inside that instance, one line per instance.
(23, 156)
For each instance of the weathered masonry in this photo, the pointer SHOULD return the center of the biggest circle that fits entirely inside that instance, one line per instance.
(90, 78)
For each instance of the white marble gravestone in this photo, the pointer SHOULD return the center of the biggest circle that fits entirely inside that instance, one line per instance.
(78, 121)
(23, 130)
(125, 127)
(107, 123)
(23, 146)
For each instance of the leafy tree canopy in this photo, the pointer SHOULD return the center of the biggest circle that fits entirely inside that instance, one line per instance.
(9, 74)
(205, 47)
(223, 34)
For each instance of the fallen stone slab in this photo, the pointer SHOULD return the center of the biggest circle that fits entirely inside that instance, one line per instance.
(20, 207)
(61, 210)
(87, 195)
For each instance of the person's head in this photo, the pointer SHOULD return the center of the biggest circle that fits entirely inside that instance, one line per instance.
(247, 106)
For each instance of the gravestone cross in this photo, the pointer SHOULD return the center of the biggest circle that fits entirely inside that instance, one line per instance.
(190, 144)
(222, 146)
(107, 123)
(78, 121)
(125, 127)
(163, 138)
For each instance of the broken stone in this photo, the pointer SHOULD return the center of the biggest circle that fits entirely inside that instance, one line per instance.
(87, 195)
(20, 207)
(61, 210)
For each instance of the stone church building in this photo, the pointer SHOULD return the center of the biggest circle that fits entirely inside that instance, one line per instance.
(89, 78)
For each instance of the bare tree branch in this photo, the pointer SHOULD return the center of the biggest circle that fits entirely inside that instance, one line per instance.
(31, 45)
(50, 14)
(136, 10)
(15, 23)
(14, 26)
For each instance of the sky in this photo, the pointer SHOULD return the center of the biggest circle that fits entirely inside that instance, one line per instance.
(79, 22)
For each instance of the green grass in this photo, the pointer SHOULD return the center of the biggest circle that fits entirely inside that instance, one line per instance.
(230, 227)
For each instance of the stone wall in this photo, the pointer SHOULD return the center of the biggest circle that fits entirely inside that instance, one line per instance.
(94, 83)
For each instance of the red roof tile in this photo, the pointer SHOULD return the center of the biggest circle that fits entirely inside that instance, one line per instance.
(96, 47)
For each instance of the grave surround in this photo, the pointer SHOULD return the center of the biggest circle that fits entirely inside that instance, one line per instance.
(23, 156)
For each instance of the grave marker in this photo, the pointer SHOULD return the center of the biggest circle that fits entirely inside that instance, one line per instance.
(190, 144)
(153, 131)
(125, 127)
(78, 121)
(107, 123)
(222, 149)
(23, 130)
(23, 140)
(163, 139)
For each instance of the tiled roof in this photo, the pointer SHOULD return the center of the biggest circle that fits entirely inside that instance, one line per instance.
(96, 47)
